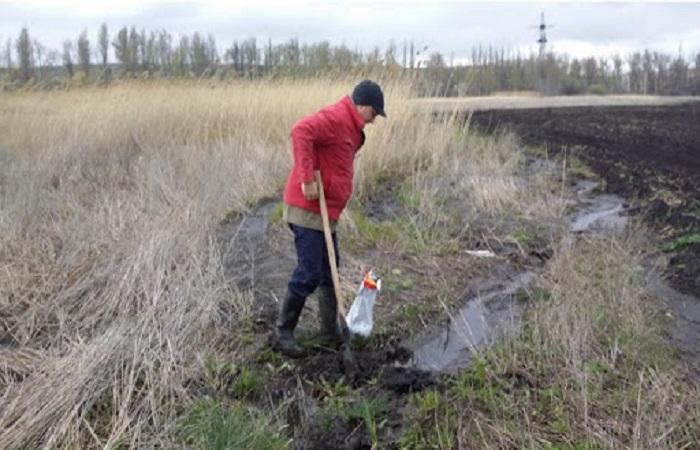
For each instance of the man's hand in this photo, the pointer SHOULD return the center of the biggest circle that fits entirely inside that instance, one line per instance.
(310, 190)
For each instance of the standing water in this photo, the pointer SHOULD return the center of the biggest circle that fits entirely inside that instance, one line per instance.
(491, 309)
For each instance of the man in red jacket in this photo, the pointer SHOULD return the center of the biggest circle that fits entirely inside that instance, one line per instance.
(327, 141)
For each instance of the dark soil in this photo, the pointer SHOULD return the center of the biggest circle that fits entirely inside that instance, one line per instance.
(648, 155)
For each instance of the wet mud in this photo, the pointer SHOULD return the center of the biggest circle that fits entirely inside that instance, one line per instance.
(490, 310)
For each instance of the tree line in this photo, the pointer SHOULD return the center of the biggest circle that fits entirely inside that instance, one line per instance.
(138, 53)
(493, 70)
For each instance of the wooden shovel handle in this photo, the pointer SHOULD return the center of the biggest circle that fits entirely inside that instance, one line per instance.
(330, 247)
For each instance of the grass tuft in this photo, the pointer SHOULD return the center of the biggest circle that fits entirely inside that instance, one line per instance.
(211, 426)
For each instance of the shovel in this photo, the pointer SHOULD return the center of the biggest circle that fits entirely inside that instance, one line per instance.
(346, 352)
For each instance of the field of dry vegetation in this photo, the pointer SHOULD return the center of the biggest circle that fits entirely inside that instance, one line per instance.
(113, 295)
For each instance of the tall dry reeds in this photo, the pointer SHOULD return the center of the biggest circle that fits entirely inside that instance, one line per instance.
(111, 282)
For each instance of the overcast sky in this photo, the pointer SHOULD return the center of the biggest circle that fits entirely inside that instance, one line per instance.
(450, 27)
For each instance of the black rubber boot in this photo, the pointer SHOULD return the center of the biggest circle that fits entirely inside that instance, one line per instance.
(286, 322)
(328, 316)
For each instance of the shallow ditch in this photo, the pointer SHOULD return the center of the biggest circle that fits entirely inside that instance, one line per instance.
(490, 307)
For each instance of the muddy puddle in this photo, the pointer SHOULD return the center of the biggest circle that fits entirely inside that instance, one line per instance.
(487, 313)
(603, 212)
(491, 308)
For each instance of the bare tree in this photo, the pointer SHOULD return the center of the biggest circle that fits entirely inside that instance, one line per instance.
(103, 44)
(590, 70)
(374, 58)
(200, 59)
(68, 57)
(134, 44)
(53, 58)
(142, 51)
(25, 55)
(121, 48)
(404, 61)
(233, 56)
(268, 58)
(617, 73)
(635, 72)
(390, 54)
(212, 51)
(40, 51)
(183, 56)
(648, 73)
(165, 51)
(696, 75)
(342, 57)
(661, 64)
(84, 53)
(249, 52)
(678, 76)
(8, 54)
(292, 53)
(151, 56)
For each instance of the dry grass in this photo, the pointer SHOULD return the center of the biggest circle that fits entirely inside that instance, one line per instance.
(111, 280)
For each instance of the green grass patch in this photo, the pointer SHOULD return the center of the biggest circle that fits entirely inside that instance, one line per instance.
(246, 383)
(537, 151)
(230, 216)
(579, 169)
(277, 212)
(218, 374)
(432, 424)
(212, 426)
(397, 281)
(411, 236)
(524, 237)
(334, 390)
(408, 197)
(374, 232)
(371, 412)
(414, 314)
(240, 382)
(353, 407)
(534, 294)
(682, 242)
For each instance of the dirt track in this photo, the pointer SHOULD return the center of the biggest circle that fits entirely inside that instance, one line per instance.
(648, 154)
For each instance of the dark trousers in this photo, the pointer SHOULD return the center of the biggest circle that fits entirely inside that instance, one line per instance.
(313, 269)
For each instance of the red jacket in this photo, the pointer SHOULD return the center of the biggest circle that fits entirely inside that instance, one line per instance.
(328, 141)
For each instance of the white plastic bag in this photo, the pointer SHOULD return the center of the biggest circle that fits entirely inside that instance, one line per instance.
(359, 318)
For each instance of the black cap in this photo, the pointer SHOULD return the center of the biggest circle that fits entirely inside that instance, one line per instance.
(369, 93)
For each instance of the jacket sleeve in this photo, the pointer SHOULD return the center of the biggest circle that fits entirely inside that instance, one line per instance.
(307, 134)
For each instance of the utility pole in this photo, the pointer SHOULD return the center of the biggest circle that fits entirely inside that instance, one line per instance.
(543, 34)
(544, 85)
